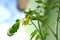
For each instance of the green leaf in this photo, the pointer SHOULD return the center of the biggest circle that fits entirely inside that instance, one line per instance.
(14, 28)
(45, 35)
(59, 19)
(55, 2)
(55, 6)
(37, 37)
(46, 5)
(33, 34)
(28, 12)
(39, 1)
(40, 18)
(34, 18)
(38, 6)
(43, 18)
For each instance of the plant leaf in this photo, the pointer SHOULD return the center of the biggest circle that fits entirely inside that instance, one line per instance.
(37, 37)
(33, 34)
(45, 35)
(28, 12)
(59, 19)
(55, 2)
(43, 18)
(39, 1)
(55, 6)
(40, 18)
(14, 28)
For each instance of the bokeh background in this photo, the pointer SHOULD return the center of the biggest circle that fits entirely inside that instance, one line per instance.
(9, 13)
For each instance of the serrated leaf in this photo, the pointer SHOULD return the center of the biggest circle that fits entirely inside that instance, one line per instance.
(33, 34)
(37, 37)
(14, 28)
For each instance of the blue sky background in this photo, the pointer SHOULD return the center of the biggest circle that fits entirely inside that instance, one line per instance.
(8, 14)
(9, 6)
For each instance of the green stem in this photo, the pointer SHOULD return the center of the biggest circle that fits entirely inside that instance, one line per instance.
(57, 27)
(51, 30)
(40, 30)
(34, 25)
(37, 29)
(56, 35)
